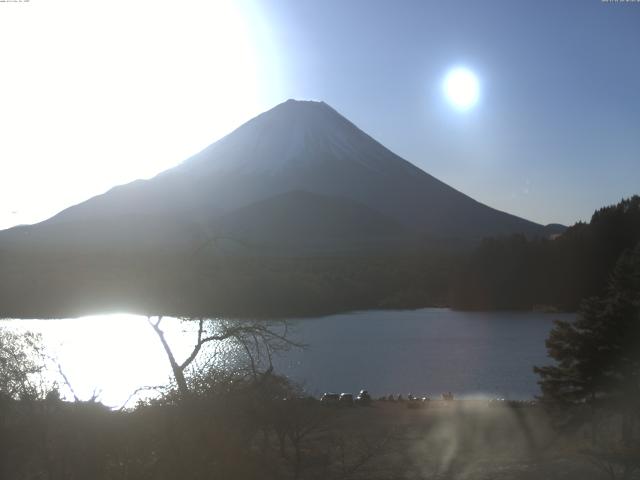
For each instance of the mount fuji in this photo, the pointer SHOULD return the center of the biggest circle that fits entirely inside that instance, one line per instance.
(297, 177)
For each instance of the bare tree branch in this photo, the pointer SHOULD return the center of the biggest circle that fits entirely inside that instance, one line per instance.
(257, 339)
(67, 383)
(138, 390)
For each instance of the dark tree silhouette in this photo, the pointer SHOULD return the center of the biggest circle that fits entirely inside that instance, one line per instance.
(519, 273)
(21, 363)
(598, 355)
(257, 339)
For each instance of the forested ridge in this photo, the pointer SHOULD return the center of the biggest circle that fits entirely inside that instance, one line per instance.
(208, 284)
(516, 273)
(513, 272)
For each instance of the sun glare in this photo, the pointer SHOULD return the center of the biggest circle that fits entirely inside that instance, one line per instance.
(461, 88)
(99, 94)
(83, 349)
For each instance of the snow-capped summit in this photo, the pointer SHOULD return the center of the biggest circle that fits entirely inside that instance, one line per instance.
(292, 133)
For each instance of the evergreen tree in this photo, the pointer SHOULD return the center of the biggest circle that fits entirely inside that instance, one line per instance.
(598, 355)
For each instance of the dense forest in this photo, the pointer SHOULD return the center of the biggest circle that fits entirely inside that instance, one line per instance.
(512, 272)
(519, 273)
(42, 285)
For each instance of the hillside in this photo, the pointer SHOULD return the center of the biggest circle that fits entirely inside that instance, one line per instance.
(363, 228)
(298, 146)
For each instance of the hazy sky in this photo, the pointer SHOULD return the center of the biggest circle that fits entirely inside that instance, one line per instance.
(94, 94)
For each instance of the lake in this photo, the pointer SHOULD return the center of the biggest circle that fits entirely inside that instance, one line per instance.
(427, 351)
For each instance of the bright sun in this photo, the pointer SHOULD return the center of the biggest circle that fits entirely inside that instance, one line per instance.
(461, 88)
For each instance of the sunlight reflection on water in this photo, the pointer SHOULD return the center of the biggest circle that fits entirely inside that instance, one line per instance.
(112, 355)
(424, 351)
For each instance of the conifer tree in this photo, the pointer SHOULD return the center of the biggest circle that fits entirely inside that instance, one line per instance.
(598, 355)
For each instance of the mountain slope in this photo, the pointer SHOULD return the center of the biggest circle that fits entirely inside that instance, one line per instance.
(306, 223)
(296, 146)
(296, 212)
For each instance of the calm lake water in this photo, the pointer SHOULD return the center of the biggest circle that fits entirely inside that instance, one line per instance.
(426, 351)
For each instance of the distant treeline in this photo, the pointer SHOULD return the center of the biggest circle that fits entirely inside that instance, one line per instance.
(516, 273)
(35, 285)
(501, 273)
